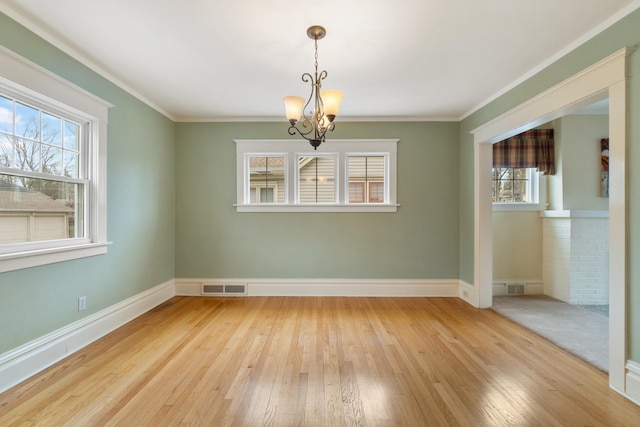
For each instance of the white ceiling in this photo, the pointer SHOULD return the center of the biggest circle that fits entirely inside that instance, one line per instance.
(235, 60)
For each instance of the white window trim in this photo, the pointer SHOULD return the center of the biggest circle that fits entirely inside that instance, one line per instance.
(30, 81)
(341, 148)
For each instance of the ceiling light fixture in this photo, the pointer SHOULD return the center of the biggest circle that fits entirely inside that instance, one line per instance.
(322, 106)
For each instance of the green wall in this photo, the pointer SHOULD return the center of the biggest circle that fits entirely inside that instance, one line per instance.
(419, 241)
(623, 34)
(141, 179)
(577, 180)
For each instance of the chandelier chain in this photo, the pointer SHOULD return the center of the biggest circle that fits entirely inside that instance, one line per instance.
(316, 63)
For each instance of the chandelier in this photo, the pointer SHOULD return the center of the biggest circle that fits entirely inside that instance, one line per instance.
(321, 107)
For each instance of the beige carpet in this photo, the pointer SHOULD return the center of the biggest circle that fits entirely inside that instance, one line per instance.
(573, 328)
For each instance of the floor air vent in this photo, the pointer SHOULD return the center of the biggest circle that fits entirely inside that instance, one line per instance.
(222, 289)
(515, 288)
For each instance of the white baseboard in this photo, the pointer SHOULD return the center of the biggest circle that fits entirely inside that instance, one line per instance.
(328, 287)
(469, 293)
(22, 362)
(632, 389)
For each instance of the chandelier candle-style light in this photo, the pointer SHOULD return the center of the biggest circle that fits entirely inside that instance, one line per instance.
(322, 107)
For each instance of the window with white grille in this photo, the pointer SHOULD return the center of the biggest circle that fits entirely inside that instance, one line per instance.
(52, 168)
(342, 176)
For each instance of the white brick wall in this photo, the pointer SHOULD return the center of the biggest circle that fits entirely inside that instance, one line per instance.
(575, 260)
(556, 257)
(589, 261)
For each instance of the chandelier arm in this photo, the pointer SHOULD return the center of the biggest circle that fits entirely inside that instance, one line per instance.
(315, 141)
(303, 128)
(319, 102)
(308, 78)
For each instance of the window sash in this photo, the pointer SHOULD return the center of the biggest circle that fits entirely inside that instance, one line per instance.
(55, 164)
(54, 148)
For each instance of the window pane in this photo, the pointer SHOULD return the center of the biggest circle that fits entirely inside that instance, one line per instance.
(51, 129)
(27, 122)
(376, 192)
(38, 209)
(6, 150)
(51, 160)
(495, 191)
(316, 179)
(6, 115)
(27, 155)
(356, 192)
(266, 179)
(266, 195)
(71, 135)
(367, 170)
(70, 164)
(511, 185)
(520, 191)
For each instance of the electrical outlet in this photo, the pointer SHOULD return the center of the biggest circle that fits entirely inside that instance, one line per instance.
(82, 303)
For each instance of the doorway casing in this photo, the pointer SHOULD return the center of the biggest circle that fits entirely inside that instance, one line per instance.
(605, 79)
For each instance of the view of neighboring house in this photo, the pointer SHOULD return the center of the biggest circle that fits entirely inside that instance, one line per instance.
(29, 215)
(316, 179)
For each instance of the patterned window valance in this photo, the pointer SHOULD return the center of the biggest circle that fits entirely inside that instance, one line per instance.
(530, 149)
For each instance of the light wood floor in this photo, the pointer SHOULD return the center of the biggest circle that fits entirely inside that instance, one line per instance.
(318, 362)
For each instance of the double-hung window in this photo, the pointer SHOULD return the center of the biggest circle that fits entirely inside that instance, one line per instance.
(52, 168)
(342, 176)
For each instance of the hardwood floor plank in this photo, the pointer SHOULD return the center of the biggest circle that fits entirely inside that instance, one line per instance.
(312, 361)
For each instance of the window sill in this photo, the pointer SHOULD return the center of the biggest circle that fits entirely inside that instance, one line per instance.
(516, 207)
(27, 259)
(317, 208)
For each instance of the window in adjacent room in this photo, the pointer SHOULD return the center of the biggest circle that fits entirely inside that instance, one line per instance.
(518, 162)
(514, 185)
